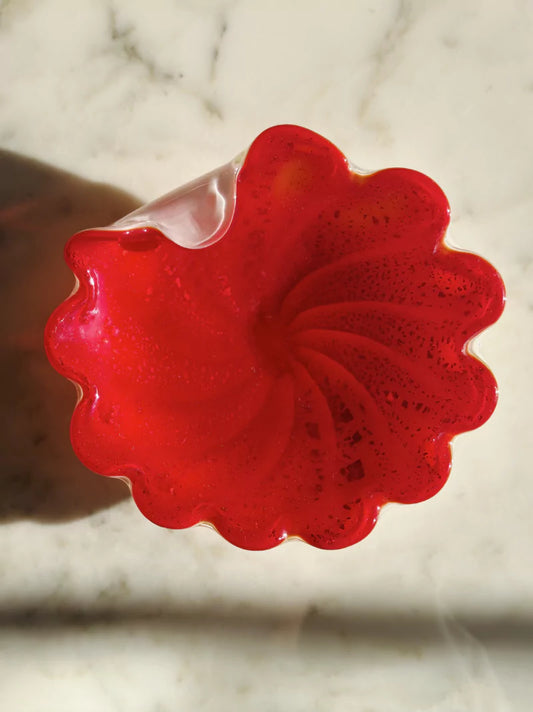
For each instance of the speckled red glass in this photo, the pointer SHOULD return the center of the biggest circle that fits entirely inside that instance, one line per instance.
(293, 377)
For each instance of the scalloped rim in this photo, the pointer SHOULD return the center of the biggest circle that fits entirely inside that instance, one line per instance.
(151, 215)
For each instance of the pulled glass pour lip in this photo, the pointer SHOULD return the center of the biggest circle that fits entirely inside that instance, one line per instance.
(199, 213)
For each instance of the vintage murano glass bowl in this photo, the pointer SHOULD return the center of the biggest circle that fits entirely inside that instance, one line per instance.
(279, 348)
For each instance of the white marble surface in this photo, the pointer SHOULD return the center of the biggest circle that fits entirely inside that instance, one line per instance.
(105, 104)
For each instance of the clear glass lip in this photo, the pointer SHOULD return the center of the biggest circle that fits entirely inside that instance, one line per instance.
(195, 215)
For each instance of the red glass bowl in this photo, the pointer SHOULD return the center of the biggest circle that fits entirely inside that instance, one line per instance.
(279, 348)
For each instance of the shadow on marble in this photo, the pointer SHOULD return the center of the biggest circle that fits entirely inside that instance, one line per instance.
(40, 207)
(266, 661)
(313, 626)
